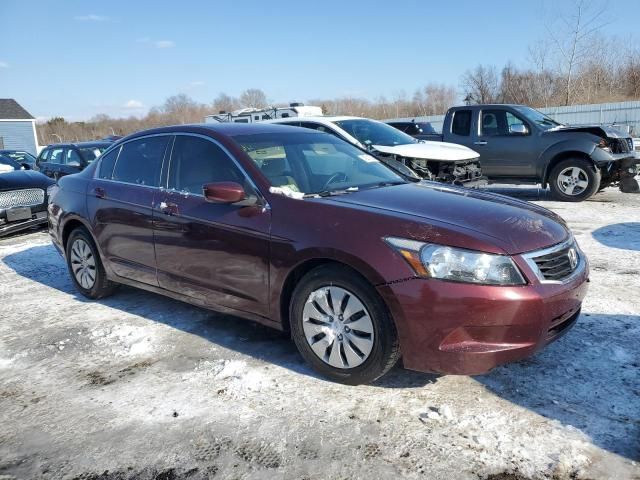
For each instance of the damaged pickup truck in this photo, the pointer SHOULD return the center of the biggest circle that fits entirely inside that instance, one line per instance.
(518, 144)
(437, 161)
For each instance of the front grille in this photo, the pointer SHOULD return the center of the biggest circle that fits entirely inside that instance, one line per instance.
(558, 264)
(630, 144)
(621, 145)
(22, 198)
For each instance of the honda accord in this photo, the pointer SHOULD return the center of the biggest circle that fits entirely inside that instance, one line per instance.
(306, 233)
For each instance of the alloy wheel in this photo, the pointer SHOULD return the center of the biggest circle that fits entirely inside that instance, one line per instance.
(572, 181)
(83, 264)
(337, 327)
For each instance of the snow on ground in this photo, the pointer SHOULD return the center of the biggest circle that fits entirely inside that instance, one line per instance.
(142, 386)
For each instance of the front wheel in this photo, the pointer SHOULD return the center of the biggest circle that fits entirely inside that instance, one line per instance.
(574, 180)
(341, 326)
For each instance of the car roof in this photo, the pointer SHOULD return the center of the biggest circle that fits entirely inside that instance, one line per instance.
(325, 119)
(228, 129)
(81, 144)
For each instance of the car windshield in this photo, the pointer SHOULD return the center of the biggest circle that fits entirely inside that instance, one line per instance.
(315, 163)
(20, 157)
(426, 127)
(8, 164)
(369, 132)
(91, 153)
(537, 117)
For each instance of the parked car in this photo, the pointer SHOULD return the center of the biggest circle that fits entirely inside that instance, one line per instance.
(25, 159)
(447, 163)
(301, 231)
(520, 144)
(62, 159)
(23, 197)
(419, 130)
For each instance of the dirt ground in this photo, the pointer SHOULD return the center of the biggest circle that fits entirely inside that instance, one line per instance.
(141, 386)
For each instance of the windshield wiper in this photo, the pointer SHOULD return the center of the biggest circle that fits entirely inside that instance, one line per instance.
(388, 183)
(331, 193)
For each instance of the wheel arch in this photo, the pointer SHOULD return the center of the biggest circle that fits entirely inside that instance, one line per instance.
(562, 156)
(304, 267)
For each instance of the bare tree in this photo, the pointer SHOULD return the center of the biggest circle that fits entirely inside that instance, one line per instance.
(253, 98)
(224, 102)
(481, 84)
(572, 34)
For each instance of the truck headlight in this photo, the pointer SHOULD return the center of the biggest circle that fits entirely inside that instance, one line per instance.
(457, 264)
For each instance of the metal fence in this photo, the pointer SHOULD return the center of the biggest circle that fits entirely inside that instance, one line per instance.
(624, 115)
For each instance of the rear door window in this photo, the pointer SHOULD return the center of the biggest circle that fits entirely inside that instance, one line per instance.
(461, 123)
(140, 161)
(72, 158)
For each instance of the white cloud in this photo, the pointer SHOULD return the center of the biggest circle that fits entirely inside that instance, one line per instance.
(4, 65)
(133, 105)
(91, 18)
(164, 44)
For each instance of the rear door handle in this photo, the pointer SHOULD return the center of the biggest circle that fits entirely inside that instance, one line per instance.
(168, 208)
(480, 142)
(99, 192)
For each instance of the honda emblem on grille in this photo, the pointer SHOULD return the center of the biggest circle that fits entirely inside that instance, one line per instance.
(573, 258)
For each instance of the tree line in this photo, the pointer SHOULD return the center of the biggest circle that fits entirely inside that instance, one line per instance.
(573, 63)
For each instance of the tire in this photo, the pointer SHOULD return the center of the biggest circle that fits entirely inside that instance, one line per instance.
(85, 266)
(574, 180)
(350, 355)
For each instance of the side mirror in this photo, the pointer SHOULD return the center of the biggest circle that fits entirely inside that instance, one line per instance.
(26, 166)
(518, 129)
(224, 192)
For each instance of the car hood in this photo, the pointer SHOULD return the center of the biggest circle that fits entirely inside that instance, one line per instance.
(449, 152)
(514, 226)
(19, 179)
(604, 132)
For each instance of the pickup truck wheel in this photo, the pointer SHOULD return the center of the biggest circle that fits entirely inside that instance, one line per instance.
(341, 326)
(574, 180)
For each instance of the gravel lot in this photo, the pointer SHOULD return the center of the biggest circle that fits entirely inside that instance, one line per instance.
(141, 386)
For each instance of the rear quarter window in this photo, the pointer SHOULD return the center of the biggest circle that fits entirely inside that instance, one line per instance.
(107, 163)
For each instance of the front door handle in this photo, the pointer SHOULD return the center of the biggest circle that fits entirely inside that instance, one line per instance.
(99, 192)
(480, 142)
(168, 208)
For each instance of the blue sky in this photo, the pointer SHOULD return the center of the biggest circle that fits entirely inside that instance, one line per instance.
(80, 58)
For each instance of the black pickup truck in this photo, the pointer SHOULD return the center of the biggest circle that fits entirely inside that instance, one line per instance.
(518, 144)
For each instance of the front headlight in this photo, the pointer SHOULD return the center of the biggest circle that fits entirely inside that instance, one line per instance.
(457, 264)
(604, 145)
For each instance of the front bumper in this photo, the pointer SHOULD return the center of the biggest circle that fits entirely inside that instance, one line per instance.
(6, 228)
(457, 328)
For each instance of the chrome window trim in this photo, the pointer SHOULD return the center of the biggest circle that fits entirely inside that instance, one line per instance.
(529, 259)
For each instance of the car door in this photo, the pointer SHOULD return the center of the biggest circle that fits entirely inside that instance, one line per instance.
(72, 163)
(120, 202)
(216, 253)
(51, 160)
(504, 153)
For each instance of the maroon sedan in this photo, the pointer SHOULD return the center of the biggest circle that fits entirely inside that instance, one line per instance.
(303, 232)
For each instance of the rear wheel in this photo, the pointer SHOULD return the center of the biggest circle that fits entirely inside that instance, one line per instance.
(85, 266)
(574, 180)
(341, 326)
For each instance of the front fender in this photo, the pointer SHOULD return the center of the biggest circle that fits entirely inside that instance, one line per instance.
(585, 146)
